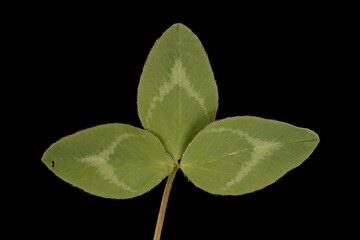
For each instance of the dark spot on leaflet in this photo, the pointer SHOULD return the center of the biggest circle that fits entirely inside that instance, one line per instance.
(53, 164)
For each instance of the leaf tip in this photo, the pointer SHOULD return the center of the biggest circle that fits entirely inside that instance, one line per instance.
(313, 137)
(48, 162)
(179, 27)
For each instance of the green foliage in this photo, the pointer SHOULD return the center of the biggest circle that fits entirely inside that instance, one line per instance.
(177, 92)
(238, 155)
(111, 160)
(177, 100)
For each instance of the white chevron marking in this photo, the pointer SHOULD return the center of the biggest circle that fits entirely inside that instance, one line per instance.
(178, 78)
(260, 150)
(100, 162)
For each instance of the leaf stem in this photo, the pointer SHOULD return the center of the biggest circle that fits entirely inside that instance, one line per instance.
(164, 201)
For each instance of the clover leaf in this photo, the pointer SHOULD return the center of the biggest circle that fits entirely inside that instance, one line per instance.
(177, 104)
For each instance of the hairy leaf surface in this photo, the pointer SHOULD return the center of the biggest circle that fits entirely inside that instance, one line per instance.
(177, 95)
(239, 155)
(111, 160)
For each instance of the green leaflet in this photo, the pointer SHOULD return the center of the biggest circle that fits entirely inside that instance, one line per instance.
(112, 160)
(177, 95)
(243, 154)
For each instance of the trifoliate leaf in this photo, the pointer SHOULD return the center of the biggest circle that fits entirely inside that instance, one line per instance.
(239, 155)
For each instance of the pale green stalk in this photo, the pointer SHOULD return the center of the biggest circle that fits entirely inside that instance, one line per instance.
(164, 201)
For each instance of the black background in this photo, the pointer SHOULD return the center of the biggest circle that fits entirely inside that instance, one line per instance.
(80, 67)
